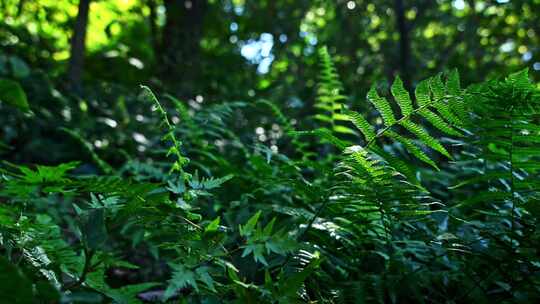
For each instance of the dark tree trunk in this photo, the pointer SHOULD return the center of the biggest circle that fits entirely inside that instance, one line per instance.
(20, 7)
(179, 54)
(76, 61)
(152, 6)
(404, 43)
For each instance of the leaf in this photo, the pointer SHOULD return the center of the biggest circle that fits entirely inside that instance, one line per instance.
(290, 285)
(424, 137)
(343, 130)
(422, 93)
(213, 226)
(128, 294)
(248, 228)
(438, 122)
(412, 148)
(123, 295)
(440, 102)
(95, 232)
(14, 286)
(258, 252)
(215, 182)
(269, 227)
(327, 136)
(182, 277)
(203, 275)
(13, 94)
(382, 106)
(361, 123)
(402, 97)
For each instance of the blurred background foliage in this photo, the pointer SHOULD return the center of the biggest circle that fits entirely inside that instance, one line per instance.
(210, 51)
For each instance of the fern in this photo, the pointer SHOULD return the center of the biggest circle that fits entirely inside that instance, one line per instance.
(102, 165)
(300, 146)
(432, 104)
(440, 104)
(175, 149)
(330, 98)
(501, 166)
(362, 171)
(507, 133)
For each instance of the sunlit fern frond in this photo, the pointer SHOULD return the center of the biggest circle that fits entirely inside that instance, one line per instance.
(506, 138)
(440, 104)
(360, 173)
(330, 97)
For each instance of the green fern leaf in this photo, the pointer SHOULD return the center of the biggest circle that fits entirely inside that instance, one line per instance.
(454, 90)
(402, 97)
(383, 106)
(361, 123)
(440, 101)
(425, 138)
(439, 123)
(412, 148)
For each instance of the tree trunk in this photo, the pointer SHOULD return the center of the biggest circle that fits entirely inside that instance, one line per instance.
(76, 61)
(179, 54)
(20, 8)
(404, 43)
(152, 6)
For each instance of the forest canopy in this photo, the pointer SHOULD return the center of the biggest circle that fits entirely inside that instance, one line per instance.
(269, 151)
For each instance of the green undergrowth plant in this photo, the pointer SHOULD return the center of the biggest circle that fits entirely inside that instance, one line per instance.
(428, 195)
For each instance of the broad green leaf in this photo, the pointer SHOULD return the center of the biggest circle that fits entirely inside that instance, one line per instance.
(13, 94)
(248, 228)
(14, 286)
(213, 225)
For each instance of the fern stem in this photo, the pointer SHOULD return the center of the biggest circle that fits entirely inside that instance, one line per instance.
(181, 161)
(385, 220)
(315, 216)
(88, 255)
(512, 193)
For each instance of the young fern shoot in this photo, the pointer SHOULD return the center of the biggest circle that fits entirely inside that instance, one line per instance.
(180, 160)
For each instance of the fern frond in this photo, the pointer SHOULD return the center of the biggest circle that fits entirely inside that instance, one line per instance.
(175, 148)
(325, 135)
(402, 97)
(359, 173)
(506, 136)
(383, 106)
(432, 104)
(361, 124)
(440, 100)
(412, 148)
(330, 99)
(423, 136)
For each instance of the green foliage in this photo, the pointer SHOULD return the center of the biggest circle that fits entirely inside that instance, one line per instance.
(16, 288)
(206, 189)
(227, 202)
(330, 98)
(13, 94)
(260, 240)
(175, 148)
(436, 103)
